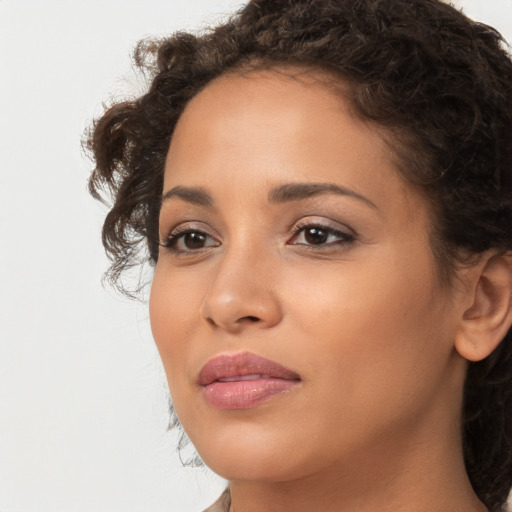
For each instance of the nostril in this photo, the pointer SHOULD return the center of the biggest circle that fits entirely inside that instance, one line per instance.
(251, 318)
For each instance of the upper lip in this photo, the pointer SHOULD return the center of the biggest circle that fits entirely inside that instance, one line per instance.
(225, 366)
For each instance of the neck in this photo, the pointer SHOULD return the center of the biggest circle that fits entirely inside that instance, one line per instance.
(392, 489)
(423, 472)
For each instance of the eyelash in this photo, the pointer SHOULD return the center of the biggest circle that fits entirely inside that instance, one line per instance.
(175, 237)
(344, 238)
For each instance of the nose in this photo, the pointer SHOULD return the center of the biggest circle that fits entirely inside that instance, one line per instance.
(242, 294)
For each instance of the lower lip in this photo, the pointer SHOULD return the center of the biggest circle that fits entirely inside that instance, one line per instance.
(244, 394)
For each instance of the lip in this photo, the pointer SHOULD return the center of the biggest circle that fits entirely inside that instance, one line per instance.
(244, 380)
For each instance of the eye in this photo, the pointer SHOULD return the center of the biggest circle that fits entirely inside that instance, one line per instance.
(319, 235)
(189, 241)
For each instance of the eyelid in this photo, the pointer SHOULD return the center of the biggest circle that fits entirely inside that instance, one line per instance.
(346, 234)
(324, 223)
(183, 227)
(178, 231)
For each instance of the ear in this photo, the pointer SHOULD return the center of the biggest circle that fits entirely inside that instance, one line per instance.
(488, 318)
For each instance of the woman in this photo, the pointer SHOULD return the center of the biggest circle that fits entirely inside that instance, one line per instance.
(325, 190)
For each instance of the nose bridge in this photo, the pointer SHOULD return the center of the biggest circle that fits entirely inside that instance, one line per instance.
(242, 290)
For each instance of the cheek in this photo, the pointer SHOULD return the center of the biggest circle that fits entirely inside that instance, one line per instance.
(174, 307)
(375, 330)
(363, 296)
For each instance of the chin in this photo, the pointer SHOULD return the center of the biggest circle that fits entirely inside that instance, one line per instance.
(255, 467)
(236, 454)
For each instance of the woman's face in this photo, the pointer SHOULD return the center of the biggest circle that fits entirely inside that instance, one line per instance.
(292, 238)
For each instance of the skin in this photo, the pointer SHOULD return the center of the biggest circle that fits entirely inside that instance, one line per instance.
(362, 318)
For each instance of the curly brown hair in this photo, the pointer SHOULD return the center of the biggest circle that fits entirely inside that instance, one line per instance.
(438, 82)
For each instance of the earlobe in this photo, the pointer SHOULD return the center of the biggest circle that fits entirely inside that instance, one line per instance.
(486, 322)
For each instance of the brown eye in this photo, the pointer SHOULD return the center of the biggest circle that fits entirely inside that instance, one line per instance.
(190, 241)
(194, 240)
(320, 236)
(315, 235)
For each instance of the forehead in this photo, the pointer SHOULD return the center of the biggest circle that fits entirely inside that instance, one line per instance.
(262, 128)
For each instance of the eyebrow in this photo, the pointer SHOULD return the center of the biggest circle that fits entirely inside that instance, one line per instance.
(194, 195)
(281, 194)
(298, 191)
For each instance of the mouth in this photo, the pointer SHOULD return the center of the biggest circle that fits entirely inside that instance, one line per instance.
(244, 380)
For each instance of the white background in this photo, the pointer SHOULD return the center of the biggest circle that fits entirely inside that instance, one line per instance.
(83, 403)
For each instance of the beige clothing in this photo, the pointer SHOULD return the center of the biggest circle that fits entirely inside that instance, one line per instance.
(222, 504)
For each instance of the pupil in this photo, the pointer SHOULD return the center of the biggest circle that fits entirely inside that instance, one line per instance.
(315, 236)
(194, 240)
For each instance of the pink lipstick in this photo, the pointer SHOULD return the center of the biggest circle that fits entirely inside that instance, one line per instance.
(244, 380)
